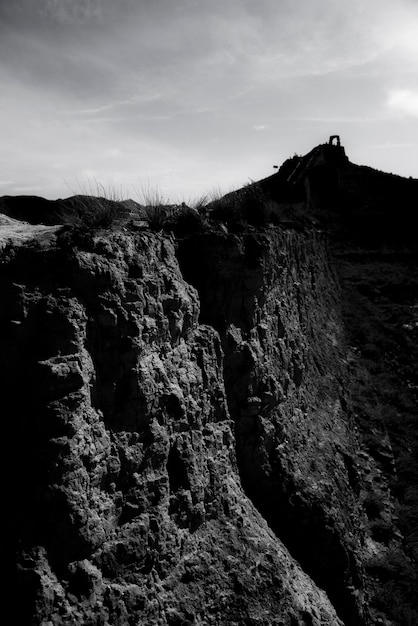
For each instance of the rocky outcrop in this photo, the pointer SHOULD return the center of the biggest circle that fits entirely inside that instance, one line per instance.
(124, 500)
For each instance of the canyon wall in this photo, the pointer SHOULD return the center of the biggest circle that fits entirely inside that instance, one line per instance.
(124, 501)
(182, 444)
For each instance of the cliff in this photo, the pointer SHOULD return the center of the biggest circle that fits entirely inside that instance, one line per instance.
(213, 423)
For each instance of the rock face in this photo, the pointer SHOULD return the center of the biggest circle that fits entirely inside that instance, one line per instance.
(214, 429)
(274, 298)
(125, 502)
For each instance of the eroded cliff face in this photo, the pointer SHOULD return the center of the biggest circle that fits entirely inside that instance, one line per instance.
(275, 300)
(195, 434)
(321, 385)
(130, 423)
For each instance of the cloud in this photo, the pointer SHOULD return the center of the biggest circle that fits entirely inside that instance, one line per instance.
(404, 101)
(135, 99)
(72, 11)
(162, 80)
(394, 30)
(103, 50)
(60, 12)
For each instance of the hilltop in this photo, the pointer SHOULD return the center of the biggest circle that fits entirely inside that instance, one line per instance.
(355, 203)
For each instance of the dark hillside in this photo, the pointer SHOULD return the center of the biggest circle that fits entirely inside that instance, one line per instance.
(84, 209)
(356, 204)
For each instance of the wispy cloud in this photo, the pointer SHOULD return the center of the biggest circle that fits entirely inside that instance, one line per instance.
(137, 99)
(348, 119)
(388, 145)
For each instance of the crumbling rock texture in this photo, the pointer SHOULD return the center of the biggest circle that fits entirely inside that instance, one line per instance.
(321, 385)
(275, 300)
(217, 427)
(126, 435)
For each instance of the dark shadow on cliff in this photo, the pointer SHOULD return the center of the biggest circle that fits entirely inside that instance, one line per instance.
(229, 273)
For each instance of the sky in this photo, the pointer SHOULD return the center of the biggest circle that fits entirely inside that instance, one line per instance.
(193, 97)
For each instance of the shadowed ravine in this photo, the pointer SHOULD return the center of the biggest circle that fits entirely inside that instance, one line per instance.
(276, 366)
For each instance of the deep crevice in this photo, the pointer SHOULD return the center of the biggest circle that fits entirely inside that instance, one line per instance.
(177, 471)
(302, 526)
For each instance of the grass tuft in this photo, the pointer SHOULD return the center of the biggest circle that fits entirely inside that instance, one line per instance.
(250, 205)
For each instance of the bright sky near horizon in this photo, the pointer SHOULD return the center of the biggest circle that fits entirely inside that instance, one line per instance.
(193, 95)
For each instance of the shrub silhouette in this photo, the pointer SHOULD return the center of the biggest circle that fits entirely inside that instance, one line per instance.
(248, 206)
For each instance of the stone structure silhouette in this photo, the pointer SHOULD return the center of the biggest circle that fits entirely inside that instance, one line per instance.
(334, 140)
